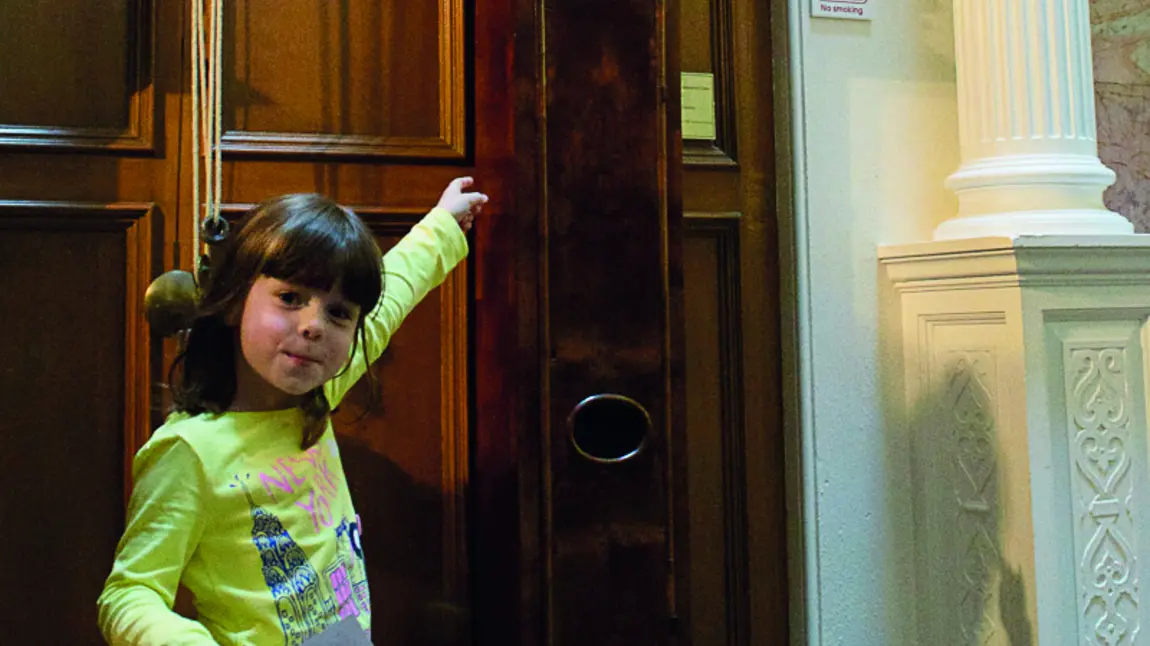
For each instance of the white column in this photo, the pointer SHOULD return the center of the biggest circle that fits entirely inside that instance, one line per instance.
(1027, 126)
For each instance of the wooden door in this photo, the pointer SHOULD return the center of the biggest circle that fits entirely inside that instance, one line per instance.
(373, 102)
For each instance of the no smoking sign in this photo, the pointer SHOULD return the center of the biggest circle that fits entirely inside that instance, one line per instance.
(845, 9)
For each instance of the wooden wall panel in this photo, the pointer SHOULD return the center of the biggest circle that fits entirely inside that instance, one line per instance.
(360, 77)
(716, 466)
(76, 74)
(734, 342)
(73, 274)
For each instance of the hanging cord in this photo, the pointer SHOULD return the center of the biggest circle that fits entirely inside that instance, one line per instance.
(207, 129)
(217, 105)
(197, 20)
(170, 300)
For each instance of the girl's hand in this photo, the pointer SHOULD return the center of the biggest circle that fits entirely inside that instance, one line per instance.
(464, 206)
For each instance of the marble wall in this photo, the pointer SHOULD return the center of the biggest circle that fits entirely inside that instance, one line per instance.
(1121, 33)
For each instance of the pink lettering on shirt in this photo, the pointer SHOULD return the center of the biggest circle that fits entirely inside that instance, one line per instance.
(286, 477)
(319, 508)
(281, 484)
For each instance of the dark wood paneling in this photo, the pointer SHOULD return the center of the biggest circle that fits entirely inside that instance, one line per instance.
(506, 350)
(716, 463)
(76, 74)
(359, 77)
(708, 47)
(75, 351)
(611, 277)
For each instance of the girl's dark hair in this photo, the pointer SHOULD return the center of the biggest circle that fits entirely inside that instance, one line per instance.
(305, 239)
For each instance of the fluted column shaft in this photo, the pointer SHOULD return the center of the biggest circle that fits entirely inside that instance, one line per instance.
(1026, 122)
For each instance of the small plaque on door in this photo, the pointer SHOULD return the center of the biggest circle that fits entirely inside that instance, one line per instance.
(698, 106)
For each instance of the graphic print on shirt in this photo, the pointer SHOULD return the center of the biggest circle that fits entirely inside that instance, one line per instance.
(302, 605)
(284, 478)
(359, 570)
(306, 601)
(347, 575)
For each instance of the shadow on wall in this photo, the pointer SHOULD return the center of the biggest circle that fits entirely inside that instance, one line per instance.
(968, 594)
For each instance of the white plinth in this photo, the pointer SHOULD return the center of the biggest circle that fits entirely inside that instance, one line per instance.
(1026, 388)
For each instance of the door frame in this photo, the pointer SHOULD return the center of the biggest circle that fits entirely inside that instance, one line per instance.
(786, 70)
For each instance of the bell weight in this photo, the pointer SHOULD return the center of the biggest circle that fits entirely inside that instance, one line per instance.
(170, 302)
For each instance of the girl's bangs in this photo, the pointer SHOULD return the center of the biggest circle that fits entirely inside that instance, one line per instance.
(322, 250)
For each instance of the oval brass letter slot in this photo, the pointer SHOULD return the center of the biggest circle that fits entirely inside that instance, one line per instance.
(609, 428)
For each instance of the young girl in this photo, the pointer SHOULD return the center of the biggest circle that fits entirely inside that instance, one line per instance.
(241, 495)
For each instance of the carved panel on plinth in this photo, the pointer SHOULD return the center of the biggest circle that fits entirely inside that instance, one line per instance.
(1104, 464)
(969, 378)
(956, 453)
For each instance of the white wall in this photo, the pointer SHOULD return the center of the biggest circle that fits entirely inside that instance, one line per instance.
(875, 135)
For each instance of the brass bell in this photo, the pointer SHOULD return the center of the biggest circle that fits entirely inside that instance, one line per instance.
(170, 302)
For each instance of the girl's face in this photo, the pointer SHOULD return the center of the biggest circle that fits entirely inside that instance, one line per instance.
(292, 340)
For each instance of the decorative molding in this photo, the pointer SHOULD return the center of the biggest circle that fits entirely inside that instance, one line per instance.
(139, 135)
(969, 376)
(1099, 404)
(1035, 426)
(447, 146)
(723, 229)
(723, 152)
(383, 220)
(1026, 260)
(135, 221)
(451, 142)
(953, 399)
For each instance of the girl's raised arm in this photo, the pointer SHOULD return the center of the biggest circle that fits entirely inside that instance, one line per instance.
(411, 269)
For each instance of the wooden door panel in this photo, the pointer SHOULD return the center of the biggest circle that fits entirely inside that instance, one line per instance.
(77, 74)
(363, 77)
(86, 201)
(611, 316)
(716, 446)
(74, 400)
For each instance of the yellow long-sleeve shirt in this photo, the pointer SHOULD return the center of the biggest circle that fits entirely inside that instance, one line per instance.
(264, 535)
